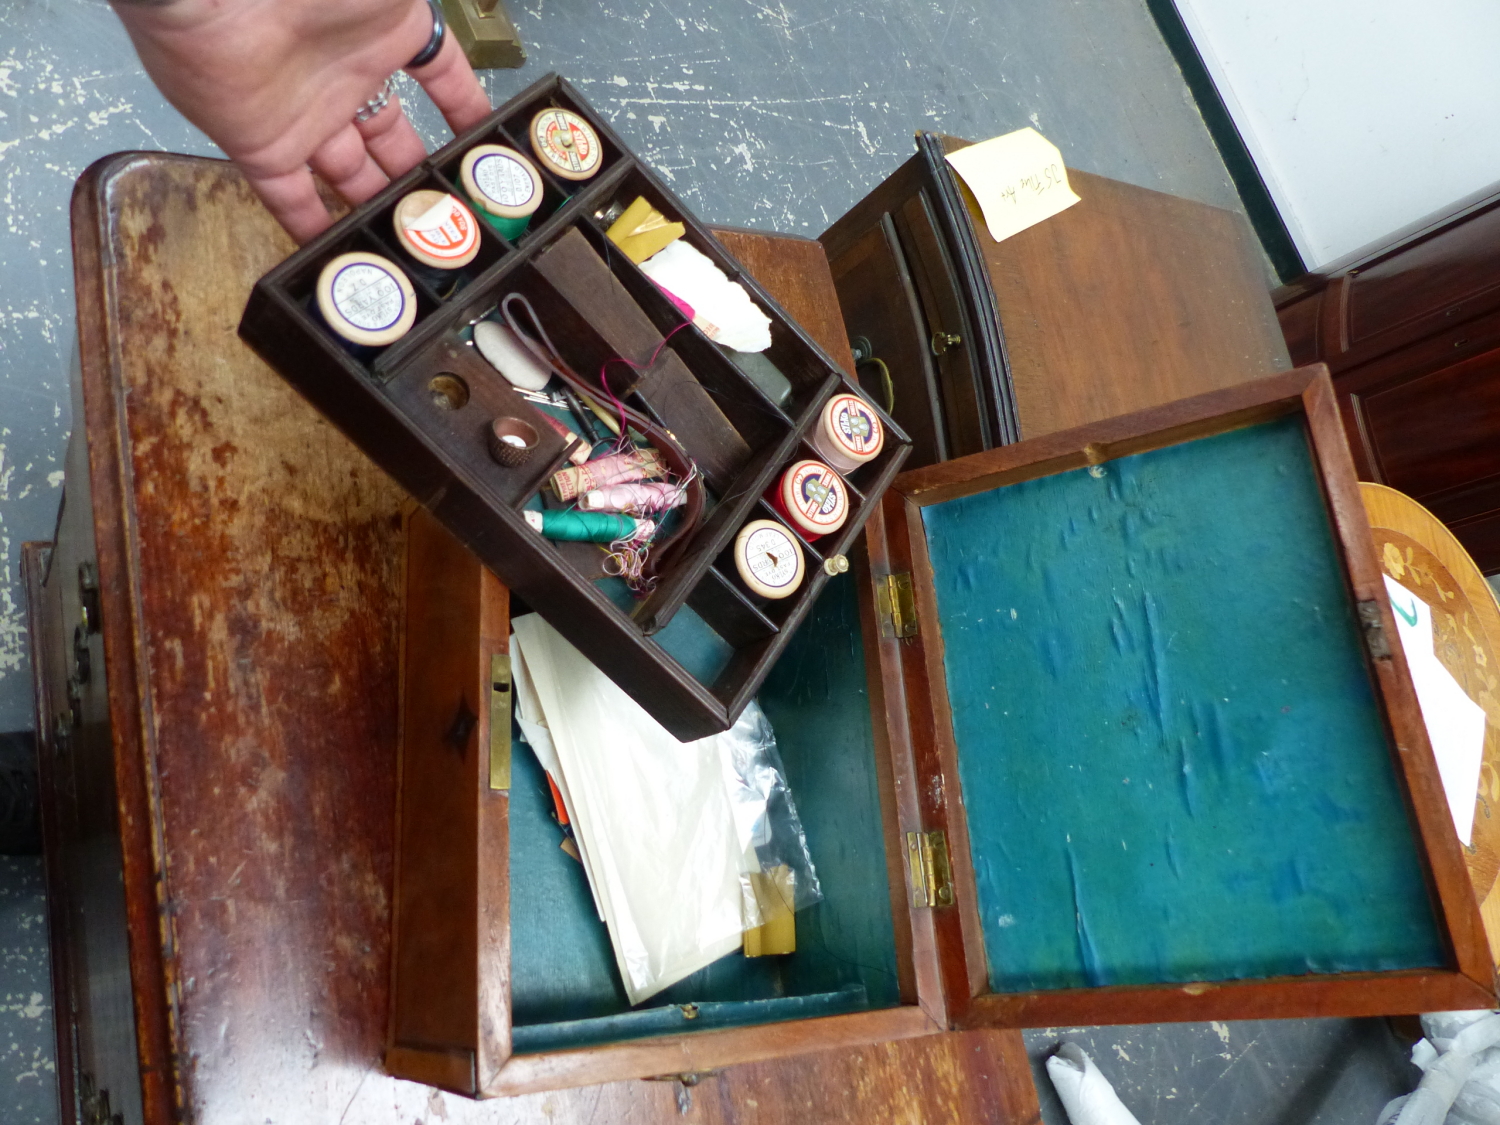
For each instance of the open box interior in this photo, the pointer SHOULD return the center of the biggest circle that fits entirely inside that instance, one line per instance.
(621, 334)
(565, 987)
(1164, 780)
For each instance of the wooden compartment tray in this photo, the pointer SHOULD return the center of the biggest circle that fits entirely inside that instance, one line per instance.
(1110, 729)
(693, 650)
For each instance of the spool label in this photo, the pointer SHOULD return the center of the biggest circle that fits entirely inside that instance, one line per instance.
(855, 426)
(566, 141)
(817, 495)
(445, 231)
(367, 296)
(771, 556)
(504, 180)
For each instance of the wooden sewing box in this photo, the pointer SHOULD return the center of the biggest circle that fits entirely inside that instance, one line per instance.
(1104, 726)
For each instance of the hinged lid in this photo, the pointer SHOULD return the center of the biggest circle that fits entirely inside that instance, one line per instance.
(927, 863)
(1156, 731)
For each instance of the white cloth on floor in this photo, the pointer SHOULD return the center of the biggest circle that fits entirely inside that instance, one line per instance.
(1085, 1093)
(1460, 1085)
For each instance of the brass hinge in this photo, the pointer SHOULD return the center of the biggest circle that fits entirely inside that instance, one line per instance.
(896, 606)
(500, 720)
(927, 861)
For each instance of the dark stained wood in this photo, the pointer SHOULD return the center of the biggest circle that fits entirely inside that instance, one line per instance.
(450, 1004)
(1470, 974)
(678, 399)
(437, 448)
(250, 564)
(1129, 299)
(1411, 333)
(873, 278)
(451, 938)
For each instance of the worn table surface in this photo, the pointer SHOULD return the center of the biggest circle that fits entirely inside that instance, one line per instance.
(258, 555)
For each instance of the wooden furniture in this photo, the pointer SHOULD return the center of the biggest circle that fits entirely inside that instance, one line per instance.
(1103, 528)
(696, 648)
(1187, 837)
(1128, 299)
(218, 739)
(1417, 551)
(1412, 336)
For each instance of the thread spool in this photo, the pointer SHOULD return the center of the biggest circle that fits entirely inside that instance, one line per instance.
(588, 527)
(636, 498)
(511, 441)
(365, 300)
(504, 187)
(507, 355)
(565, 143)
(768, 559)
(439, 236)
(848, 433)
(812, 498)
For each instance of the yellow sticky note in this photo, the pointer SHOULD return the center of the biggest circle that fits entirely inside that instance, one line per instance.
(1018, 180)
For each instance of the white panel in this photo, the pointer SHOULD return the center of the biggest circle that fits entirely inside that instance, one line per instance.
(1362, 115)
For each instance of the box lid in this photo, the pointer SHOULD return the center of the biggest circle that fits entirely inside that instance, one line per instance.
(1151, 709)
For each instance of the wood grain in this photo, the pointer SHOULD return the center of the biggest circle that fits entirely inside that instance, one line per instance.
(250, 561)
(1416, 550)
(1128, 299)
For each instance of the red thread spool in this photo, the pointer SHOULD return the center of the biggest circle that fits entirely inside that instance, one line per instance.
(812, 498)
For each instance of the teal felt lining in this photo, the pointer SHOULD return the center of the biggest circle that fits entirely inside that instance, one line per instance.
(565, 988)
(1172, 761)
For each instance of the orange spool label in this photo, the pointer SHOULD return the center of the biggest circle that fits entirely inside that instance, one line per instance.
(446, 231)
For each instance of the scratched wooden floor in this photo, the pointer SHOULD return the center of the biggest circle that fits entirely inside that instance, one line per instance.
(761, 113)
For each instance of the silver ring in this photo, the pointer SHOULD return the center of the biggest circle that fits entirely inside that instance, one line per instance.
(381, 99)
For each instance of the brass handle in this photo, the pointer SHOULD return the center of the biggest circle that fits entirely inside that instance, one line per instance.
(942, 341)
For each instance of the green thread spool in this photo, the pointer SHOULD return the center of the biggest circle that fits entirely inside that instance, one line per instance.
(582, 527)
(504, 187)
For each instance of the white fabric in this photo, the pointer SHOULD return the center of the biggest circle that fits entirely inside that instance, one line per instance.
(653, 817)
(1085, 1093)
(721, 308)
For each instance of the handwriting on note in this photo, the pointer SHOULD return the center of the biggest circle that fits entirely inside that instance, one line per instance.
(1018, 180)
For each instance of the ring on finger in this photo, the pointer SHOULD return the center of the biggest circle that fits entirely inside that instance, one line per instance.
(435, 41)
(381, 99)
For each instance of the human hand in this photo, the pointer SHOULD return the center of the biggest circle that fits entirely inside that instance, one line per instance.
(276, 83)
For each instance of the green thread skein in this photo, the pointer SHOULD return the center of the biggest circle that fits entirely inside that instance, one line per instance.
(583, 527)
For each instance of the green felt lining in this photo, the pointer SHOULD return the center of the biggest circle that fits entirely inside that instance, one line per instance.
(566, 990)
(1173, 763)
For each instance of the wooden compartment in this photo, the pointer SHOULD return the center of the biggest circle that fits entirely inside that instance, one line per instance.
(1113, 713)
(694, 649)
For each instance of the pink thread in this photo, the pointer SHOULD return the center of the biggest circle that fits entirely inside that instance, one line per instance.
(636, 499)
(601, 472)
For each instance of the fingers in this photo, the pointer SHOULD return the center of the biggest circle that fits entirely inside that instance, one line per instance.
(345, 163)
(391, 140)
(293, 199)
(450, 82)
